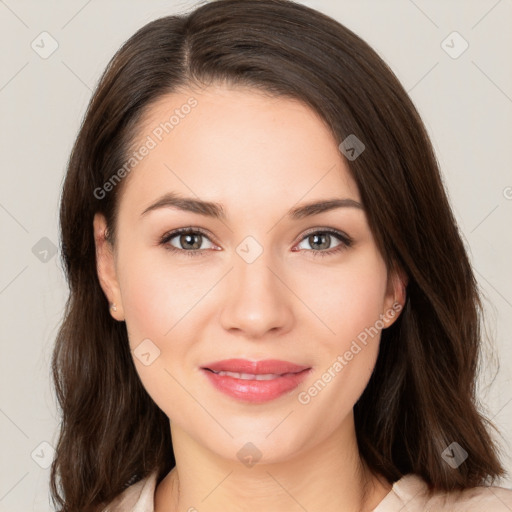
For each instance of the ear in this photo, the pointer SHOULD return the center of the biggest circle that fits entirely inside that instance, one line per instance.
(396, 296)
(106, 268)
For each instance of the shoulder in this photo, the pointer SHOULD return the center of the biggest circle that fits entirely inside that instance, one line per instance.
(410, 493)
(138, 497)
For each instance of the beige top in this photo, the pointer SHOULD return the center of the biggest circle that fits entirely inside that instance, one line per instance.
(405, 496)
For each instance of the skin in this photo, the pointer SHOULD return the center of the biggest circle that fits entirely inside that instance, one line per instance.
(258, 156)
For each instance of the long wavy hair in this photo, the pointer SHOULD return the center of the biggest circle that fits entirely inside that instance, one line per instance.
(421, 396)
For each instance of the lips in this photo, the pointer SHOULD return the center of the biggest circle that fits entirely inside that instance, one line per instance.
(255, 381)
(265, 367)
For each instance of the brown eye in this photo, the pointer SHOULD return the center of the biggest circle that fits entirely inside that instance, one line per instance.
(190, 241)
(320, 242)
(187, 241)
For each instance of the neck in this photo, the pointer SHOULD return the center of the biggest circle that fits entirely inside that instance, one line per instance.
(329, 477)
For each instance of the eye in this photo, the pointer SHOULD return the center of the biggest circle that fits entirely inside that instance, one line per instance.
(322, 240)
(188, 241)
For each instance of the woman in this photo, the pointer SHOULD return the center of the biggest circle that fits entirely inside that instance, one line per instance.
(212, 355)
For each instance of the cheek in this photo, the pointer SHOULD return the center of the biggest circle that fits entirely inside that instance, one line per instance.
(144, 308)
(157, 303)
(350, 307)
(156, 296)
(350, 299)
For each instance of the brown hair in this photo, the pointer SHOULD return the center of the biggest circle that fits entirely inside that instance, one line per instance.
(421, 396)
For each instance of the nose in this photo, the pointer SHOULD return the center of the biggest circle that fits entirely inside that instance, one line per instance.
(257, 299)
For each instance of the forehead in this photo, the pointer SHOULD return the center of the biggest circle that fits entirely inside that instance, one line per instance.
(237, 146)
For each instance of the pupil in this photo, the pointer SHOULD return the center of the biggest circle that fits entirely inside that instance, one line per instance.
(325, 245)
(188, 239)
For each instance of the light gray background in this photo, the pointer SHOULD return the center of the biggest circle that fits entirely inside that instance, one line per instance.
(465, 102)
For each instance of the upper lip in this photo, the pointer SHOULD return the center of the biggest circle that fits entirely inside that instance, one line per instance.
(267, 366)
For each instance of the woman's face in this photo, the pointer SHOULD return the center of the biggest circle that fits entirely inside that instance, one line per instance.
(265, 284)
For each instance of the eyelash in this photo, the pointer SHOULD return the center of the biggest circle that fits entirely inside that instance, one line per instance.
(345, 240)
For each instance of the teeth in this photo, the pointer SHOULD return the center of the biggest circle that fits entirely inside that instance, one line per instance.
(249, 376)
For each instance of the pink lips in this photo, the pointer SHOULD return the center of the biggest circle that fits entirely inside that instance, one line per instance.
(255, 367)
(280, 378)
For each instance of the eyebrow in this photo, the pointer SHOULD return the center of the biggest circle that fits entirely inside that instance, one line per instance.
(216, 210)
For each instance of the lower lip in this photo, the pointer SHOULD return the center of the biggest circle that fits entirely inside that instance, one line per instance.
(256, 391)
